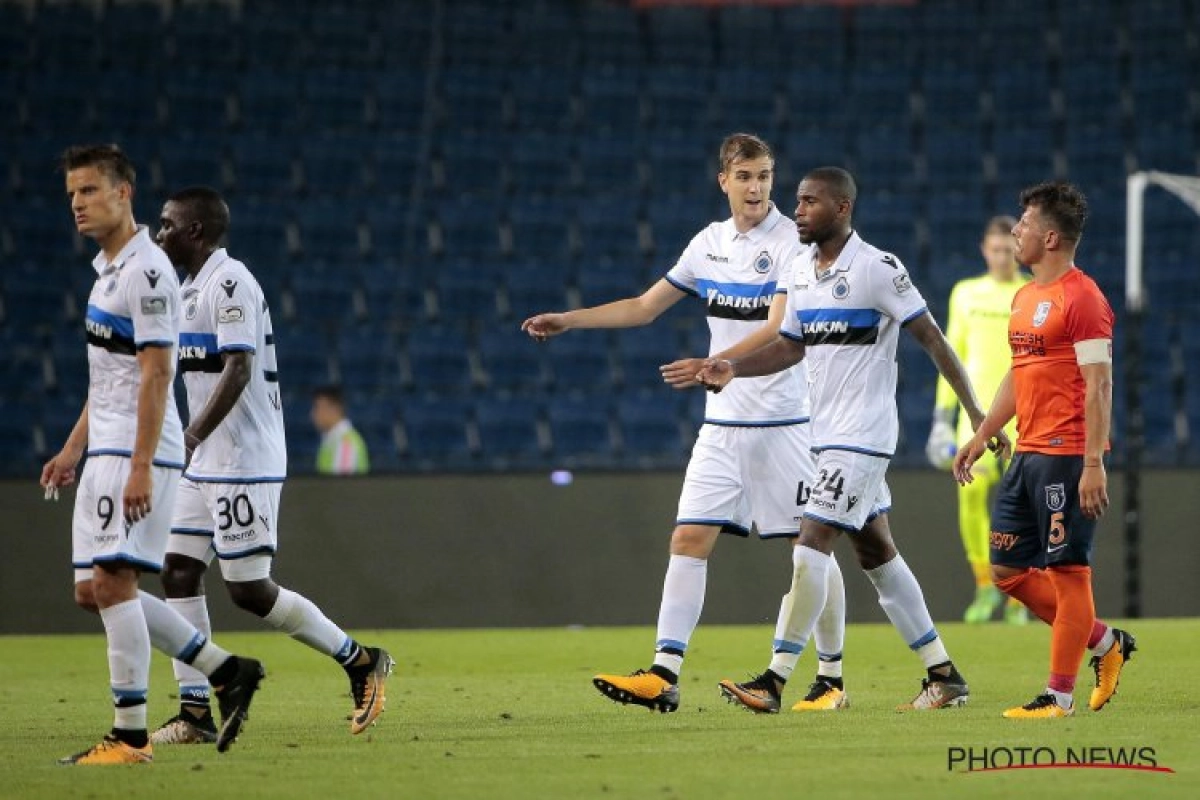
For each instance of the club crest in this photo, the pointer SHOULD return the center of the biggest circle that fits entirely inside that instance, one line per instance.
(762, 264)
(1040, 313)
(841, 289)
(1056, 496)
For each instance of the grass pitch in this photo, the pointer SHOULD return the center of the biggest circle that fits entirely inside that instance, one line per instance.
(512, 714)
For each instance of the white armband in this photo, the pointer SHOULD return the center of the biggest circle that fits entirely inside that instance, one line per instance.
(1093, 351)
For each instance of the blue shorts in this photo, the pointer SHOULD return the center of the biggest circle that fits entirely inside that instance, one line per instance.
(1037, 521)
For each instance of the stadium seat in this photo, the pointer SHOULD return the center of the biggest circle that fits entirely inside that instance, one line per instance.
(366, 358)
(1024, 154)
(474, 98)
(541, 228)
(467, 292)
(198, 101)
(641, 351)
(542, 163)
(650, 427)
(270, 100)
(580, 430)
(324, 297)
(262, 164)
(329, 230)
(512, 361)
(608, 224)
(473, 162)
(610, 162)
(193, 160)
(206, 31)
(678, 98)
(436, 432)
(610, 100)
(609, 37)
(337, 98)
(542, 102)
(533, 288)
(303, 356)
(580, 361)
(544, 36)
(508, 430)
(334, 164)
(470, 229)
(394, 296)
(400, 100)
(439, 360)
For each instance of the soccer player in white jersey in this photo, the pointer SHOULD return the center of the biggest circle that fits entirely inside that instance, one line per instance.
(228, 503)
(846, 305)
(750, 464)
(132, 436)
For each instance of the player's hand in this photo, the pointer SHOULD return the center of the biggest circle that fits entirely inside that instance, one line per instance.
(542, 326)
(60, 470)
(966, 457)
(138, 490)
(681, 374)
(715, 374)
(1093, 491)
(1001, 445)
(941, 447)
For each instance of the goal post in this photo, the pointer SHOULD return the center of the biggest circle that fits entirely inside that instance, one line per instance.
(1187, 189)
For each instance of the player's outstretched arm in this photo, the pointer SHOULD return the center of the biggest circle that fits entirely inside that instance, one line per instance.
(681, 374)
(60, 470)
(154, 361)
(235, 376)
(632, 312)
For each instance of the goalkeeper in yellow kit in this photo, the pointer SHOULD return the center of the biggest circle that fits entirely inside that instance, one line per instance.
(977, 328)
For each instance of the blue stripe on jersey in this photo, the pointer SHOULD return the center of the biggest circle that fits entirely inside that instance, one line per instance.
(121, 326)
(206, 340)
(747, 290)
(238, 348)
(109, 331)
(769, 424)
(853, 317)
(914, 315)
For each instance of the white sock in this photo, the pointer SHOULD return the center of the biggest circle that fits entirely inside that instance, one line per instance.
(679, 613)
(801, 607)
(170, 632)
(1064, 699)
(1105, 644)
(193, 685)
(901, 599)
(830, 633)
(299, 617)
(128, 662)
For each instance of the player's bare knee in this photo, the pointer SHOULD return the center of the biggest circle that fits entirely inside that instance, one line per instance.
(85, 597)
(696, 541)
(182, 576)
(257, 597)
(1001, 573)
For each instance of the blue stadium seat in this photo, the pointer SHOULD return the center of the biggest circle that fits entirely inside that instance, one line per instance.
(1093, 154)
(740, 26)
(609, 35)
(544, 34)
(206, 31)
(337, 98)
(542, 101)
(580, 429)
(126, 102)
(508, 429)
(258, 235)
(541, 228)
(884, 158)
(473, 98)
(533, 288)
(329, 230)
(394, 162)
(199, 101)
(680, 162)
(270, 100)
(262, 164)
(1165, 147)
(806, 87)
(405, 37)
(466, 292)
(334, 164)
(193, 160)
(472, 34)
(608, 225)
(40, 232)
(951, 98)
(580, 361)
(1091, 90)
(954, 155)
(680, 36)
(55, 100)
(340, 34)
(394, 296)
(650, 426)
(439, 360)
(64, 35)
(873, 36)
(1015, 89)
(611, 101)
(1024, 155)
(610, 162)
(400, 100)
(303, 356)
(323, 297)
(470, 229)
(435, 431)
(274, 32)
(673, 223)
(512, 361)
(542, 164)
(16, 41)
(641, 351)
(678, 97)
(366, 358)
(603, 282)
(473, 162)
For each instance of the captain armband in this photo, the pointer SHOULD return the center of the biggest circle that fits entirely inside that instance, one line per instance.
(1093, 351)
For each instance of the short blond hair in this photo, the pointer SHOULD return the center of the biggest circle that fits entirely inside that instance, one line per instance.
(743, 147)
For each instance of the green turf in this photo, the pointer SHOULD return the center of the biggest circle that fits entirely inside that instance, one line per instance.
(512, 714)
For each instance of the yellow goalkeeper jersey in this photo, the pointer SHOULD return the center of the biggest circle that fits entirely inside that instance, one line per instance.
(977, 328)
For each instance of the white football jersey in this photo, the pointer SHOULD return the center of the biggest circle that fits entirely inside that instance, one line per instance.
(224, 311)
(849, 320)
(737, 275)
(133, 304)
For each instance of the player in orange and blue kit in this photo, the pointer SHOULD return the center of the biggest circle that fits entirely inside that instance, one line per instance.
(1060, 390)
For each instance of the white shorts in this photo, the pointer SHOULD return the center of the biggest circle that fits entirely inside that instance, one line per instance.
(98, 530)
(748, 477)
(849, 489)
(236, 522)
